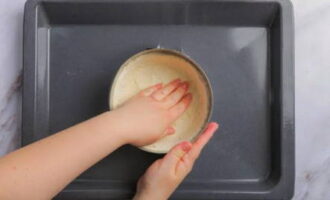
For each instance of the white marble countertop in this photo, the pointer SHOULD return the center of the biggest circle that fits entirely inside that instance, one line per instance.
(312, 79)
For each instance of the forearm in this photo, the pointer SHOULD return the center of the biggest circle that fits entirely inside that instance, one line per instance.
(42, 169)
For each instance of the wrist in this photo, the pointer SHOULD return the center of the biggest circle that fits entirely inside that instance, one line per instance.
(120, 126)
(115, 128)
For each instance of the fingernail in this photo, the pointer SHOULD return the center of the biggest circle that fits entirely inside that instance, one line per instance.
(175, 81)
(211, 128)
(171, 131)
(185, 85)
(186, 146)
(159, 85)
(214, 125)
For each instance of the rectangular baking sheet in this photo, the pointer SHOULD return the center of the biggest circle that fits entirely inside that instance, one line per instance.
(73, 48)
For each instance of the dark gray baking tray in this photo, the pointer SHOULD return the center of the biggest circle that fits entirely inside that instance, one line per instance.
(73, 48)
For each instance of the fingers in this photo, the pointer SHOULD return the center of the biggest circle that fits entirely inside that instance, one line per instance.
(170, 94)
(174, 156)
(151, 89)
(187, 161)
(180, 159)
(174, 97)
(184, 166)
(166, 90)
(202, 141)
(180, 107)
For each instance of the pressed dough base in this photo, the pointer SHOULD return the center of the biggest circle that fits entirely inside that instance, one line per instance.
(152, 68)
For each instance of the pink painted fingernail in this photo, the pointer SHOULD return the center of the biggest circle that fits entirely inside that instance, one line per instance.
(214, 125)
(186, 146)
(170, 130)
(159, 85)
(211, 128)
(185, 85)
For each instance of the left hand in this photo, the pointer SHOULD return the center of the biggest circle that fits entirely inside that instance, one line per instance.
(164, 175)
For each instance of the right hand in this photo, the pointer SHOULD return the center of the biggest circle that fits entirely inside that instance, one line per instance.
(164, 175)
(148, 116)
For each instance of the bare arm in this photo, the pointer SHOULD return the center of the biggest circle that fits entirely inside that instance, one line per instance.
(42, 169)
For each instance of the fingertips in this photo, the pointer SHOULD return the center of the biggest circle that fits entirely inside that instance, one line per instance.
(185, 146)
(202, 140)
(206, 135)
(148, 91)
(166, 90)
(170, 131)
(175, 154)
(177, 110)
(184, 166)
(211, 128)
(185, 85)
(176, 95)
(186, 100)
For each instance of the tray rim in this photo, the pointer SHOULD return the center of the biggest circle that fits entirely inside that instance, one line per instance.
(286, 178)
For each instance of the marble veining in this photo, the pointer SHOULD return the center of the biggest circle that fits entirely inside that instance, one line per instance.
(312, 19)
(312, 79)
(11, 35)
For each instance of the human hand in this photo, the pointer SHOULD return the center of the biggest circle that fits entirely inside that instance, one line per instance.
(164, 175)
(148, 115)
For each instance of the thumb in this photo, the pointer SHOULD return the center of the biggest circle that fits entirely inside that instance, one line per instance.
(169, 131)
(174, 156)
